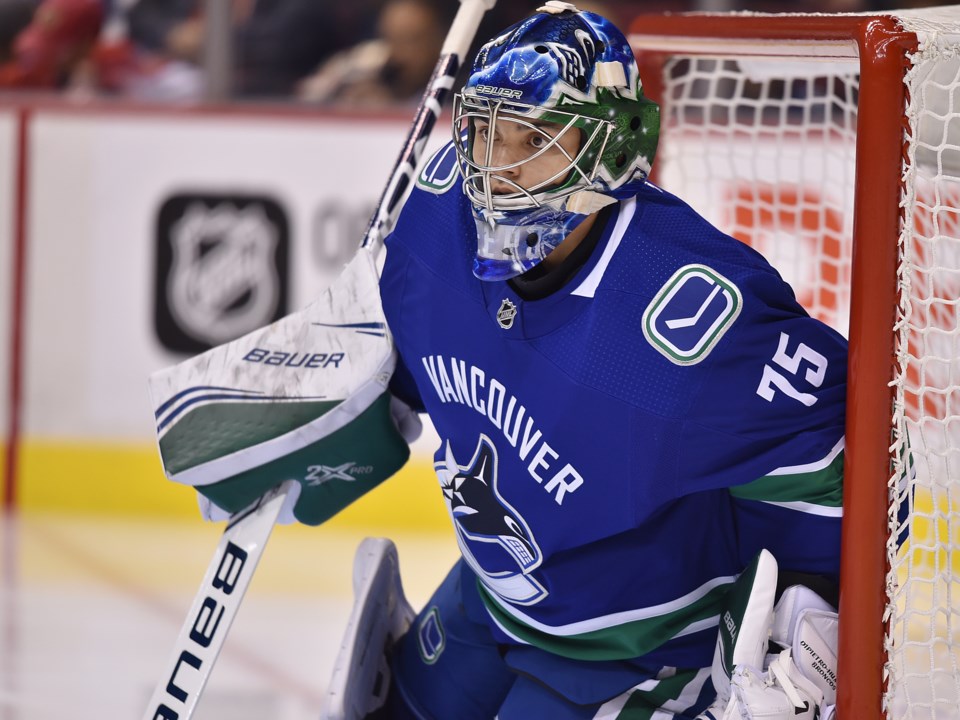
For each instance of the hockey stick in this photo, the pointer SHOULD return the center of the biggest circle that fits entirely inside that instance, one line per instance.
(214, 608)
(243, 541)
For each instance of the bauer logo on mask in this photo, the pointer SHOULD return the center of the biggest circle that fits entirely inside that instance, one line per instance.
(221, 269)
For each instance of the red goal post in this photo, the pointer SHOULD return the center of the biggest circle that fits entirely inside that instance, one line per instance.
(828, 142)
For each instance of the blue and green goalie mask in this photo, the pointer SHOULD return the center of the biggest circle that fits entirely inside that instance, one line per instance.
(569, 80)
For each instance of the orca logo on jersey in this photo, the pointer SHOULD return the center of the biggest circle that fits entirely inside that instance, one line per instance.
(487, 526)
(470, 386)
(690, 313)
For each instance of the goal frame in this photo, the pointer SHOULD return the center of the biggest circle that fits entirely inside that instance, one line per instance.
(882, 48)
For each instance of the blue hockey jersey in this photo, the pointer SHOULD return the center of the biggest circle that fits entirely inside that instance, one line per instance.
(613, 455)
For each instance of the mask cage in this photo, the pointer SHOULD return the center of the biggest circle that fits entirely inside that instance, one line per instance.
(478, 177)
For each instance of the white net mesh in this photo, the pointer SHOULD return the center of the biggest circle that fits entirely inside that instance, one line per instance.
(765, 148)
(924, 582)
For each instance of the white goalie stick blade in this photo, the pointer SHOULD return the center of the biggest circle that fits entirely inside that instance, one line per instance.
(214, 607)
(380, 615)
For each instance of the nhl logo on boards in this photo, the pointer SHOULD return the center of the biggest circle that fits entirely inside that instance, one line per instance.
(506, 314)
(221, 268)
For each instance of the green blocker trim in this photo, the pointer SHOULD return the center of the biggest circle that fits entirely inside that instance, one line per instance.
(820, 487)
(736, 604)
(617, 642)
(212, 431)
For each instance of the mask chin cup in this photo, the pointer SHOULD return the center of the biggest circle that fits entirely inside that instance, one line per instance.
(510, 244)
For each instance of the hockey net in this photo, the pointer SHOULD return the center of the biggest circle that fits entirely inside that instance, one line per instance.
(832, 145)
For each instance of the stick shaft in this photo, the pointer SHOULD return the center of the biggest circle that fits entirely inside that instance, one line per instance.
(214, 607)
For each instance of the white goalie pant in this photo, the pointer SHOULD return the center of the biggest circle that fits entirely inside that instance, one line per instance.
(380, 615)
(798, 679)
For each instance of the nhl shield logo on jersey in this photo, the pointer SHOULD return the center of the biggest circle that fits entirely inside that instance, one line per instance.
(506, 314)
(690, 313)
(495, 540)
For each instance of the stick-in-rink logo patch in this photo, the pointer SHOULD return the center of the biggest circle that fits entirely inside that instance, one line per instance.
(440, 172)
(690, 314)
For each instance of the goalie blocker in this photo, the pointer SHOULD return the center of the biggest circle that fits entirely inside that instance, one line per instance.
(302, 399)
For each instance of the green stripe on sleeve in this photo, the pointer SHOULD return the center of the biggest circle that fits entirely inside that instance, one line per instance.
(630, 639)
(819, 487)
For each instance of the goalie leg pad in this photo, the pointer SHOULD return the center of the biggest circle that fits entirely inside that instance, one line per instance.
(799, 680)
(782, 693)
(808, 625)
(381, 614)
(745, 621)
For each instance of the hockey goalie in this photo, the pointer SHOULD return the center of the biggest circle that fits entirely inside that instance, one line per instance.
(641, 430)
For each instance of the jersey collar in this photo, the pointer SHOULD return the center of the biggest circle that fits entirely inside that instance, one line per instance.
(535, 318)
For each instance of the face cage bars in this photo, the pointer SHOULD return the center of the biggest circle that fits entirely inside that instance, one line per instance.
(477, 178)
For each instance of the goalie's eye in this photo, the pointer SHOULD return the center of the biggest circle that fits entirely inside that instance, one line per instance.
(539, 140)
(483, 132)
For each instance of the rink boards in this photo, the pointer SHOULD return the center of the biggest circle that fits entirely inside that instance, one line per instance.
(148, 236)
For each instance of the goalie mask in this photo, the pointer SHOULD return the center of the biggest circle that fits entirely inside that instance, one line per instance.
(551, 126)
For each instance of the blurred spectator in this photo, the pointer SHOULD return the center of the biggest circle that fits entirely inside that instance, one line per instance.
(395, 65)
(275, 42)
(392, 68)
(54, 47)
(67, 46)
(15, 15)
(118, 67)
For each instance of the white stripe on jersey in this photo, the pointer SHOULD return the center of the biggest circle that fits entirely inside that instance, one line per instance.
(619, 618)
(808, 508)
(611, 709)
(589, 285)
(811, 467)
